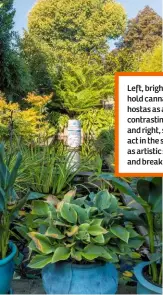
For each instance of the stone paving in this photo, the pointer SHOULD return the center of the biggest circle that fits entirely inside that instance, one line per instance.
(24, 286)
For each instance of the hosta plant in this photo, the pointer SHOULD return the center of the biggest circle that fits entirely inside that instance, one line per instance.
(80, 230)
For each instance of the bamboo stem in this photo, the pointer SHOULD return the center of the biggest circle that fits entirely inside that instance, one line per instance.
(151, 241)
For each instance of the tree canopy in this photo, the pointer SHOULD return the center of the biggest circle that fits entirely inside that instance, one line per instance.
(14, 76)
(152, 60)
(70, 27)
(143, 31)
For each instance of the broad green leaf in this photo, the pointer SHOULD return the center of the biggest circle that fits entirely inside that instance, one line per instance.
(136, 243)
(42, 243)
(79, 201)
(83, 236)
(2, 200)
(114, 204)
(92, 252)
(81, 213)
(13, 175)
(102, 200)
(61, 253)
(40, 208)
(135, 255)
(68, 213)
(122, 186)
(99, 239)
(96, 221)
(72, 231)
(84, 227)
(77, 255)
(54, 232)
(40, 261)
(18, 207)
(120, 232)
(155, 257)
(35, 195)
(133, 233)
(96, 230)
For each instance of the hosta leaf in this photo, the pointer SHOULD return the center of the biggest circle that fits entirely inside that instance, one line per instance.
(96, 230)
(40, 208)
(84, 227)
(120, 232)
(93, 251)
(61, 253)
(53, 232)
(69, 196)
(72, 231)
(42, 243)
(40, 261)
(96, 221)
(83, 236)
(102, 200)
(79, 201)
(81, 213)
(99, 239)
(77, 255)
(68, 213)
(135, 243)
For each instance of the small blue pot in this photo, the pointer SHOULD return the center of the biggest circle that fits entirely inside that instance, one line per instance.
(144, 286)
(68, 278)
(7, 270)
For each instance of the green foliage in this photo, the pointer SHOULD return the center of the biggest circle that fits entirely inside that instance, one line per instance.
(149, 195)
(62, 31)
(151, 61)
(70, 27)
(88, 229)
(105, 142)
(9, 202)
(48, 172)
(82, 88)
(14, 77)
(143, 32)
(97, 120)
(40, 60)
(150, 192)
(121, 60)
(60, 121)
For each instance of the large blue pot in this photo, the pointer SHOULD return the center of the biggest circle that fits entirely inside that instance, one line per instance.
(67, 278)
(144, 286)
(7, 270)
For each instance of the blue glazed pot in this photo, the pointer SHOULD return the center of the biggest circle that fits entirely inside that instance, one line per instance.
(7, 270)
(144, 286)
(68, 278)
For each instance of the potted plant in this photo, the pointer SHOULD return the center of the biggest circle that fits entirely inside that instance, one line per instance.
(77, 243)
(149, 274)
(9, 207)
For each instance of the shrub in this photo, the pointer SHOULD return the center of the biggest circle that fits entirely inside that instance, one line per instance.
(80, 229)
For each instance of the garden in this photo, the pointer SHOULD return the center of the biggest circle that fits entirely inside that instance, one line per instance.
(65, 219)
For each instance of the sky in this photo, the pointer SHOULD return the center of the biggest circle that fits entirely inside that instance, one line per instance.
(131, 6)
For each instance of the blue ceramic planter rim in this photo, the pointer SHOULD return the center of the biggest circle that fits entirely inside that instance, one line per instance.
(11, 255)
(138, 271)
(84, 266)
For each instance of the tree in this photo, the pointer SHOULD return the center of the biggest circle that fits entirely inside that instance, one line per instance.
(121, 60)
(143, 32)
(152, 61)
(14, 78)
(70, 27)
(82, 88)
